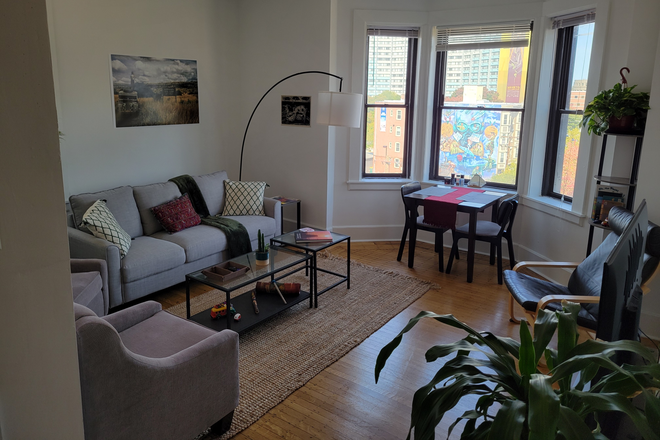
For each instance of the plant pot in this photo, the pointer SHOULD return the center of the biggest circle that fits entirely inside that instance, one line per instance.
(262, 258)
(621, 125)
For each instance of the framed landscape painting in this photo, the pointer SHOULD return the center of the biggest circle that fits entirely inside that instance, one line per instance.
(154, 91)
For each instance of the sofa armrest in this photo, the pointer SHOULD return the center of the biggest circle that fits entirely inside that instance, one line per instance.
(94, 265)
(273, 208)
(127, 318)
(85, 246)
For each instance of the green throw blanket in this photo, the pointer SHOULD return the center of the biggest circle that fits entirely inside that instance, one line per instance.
(238, 238)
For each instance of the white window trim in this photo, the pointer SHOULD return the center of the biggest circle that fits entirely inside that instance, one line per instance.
(584, 183)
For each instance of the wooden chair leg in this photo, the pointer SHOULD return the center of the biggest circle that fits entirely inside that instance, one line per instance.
(512, 318)
(499, 263)
(403, 242)
(440, 251)
(512, 258)
(454, 251)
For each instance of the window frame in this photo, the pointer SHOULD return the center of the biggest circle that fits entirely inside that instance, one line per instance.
(408, 106)
(438, 106)
(562, 66)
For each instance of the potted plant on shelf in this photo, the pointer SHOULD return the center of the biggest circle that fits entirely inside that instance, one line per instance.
(262, 250)
(619, 109)
(515, 400)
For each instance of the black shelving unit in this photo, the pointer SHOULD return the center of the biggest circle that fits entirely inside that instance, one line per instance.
(630, 181)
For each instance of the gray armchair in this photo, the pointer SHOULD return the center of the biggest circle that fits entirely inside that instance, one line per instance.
(89, 282)
(147, 374)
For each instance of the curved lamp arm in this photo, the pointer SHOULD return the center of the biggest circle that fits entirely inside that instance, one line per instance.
(341, 80)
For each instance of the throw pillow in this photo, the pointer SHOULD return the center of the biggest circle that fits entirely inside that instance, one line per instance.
(244, 198)
(100, 222)
(177, 214)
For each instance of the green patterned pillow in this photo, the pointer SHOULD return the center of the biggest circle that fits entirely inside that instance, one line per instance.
(244, 198)
(100, 221)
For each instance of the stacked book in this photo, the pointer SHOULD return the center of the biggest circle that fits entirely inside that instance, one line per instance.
(305, 236)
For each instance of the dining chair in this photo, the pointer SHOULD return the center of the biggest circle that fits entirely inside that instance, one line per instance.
(491, 232)
(410, 209)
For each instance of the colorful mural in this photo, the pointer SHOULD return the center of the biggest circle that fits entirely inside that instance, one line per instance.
(469, 141)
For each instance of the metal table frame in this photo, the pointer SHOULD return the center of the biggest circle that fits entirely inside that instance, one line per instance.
(288, 239)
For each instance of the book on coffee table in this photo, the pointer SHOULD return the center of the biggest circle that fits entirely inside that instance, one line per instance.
(313, 236)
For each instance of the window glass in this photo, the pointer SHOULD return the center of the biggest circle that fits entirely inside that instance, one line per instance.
(569, 89)
(389, 79)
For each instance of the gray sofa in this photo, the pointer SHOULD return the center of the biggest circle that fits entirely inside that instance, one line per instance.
(158, 259)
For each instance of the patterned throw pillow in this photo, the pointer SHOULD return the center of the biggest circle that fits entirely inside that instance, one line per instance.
(244, 198)
(177, 214)
(100, 222)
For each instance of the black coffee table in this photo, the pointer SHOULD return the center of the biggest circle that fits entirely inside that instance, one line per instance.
(313, 248)
(280, 260)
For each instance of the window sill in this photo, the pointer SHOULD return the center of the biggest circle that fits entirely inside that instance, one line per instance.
(554, 207)
(393, 184)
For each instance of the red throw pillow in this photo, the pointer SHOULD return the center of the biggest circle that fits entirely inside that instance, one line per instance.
(177, 215)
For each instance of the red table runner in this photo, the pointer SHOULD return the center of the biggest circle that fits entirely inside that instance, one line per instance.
(441, 211)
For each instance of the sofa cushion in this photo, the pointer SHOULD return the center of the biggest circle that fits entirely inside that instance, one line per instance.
(244, 198)
(150, 256)
(163, 335)
(255, 222)
(102, 224)
(198, 242)
(148, 196)
(177, 215)
(120, 202)
(212, 188)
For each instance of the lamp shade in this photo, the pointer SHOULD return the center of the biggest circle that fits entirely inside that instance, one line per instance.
(343, 109)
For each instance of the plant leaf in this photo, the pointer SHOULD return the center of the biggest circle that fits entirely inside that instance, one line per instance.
(543, 408)
(605, 347)
(544, 328)
(571, 426)
(527, 354)
(616, 402)
(509, 420)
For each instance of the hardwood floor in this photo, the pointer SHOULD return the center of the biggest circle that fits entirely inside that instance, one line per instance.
(343, 401)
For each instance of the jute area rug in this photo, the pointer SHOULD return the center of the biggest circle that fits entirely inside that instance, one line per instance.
(285, 352)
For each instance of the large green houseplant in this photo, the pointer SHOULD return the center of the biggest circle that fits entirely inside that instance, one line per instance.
(518, 401)
(620, 105)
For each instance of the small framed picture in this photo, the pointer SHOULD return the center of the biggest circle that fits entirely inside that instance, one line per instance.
(296, 110)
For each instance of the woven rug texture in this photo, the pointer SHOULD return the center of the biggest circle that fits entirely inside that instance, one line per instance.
(283, 353)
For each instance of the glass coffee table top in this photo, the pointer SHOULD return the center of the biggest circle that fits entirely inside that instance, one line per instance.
(289, 239)
(279, 259)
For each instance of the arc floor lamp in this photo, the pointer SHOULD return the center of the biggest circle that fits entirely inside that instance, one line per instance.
(334, 108)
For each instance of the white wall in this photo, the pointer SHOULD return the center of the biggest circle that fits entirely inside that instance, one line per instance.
(39, 383)
(95, 154)
(278, 39)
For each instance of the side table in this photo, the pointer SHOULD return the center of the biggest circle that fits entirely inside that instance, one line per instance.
(289, 240)
(286, 201)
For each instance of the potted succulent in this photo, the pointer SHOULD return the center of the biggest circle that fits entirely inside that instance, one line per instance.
(516, 400)
(262, 250)
(619, 109)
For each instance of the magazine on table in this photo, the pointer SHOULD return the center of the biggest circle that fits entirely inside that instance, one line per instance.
(313, 236)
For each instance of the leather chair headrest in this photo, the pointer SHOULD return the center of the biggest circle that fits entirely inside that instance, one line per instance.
(619, 218)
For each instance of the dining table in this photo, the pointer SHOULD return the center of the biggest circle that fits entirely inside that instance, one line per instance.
(473, 202)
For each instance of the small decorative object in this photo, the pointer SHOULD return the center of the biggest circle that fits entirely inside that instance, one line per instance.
(618, 109)
(219, 310)
(225, 271)
(296, 110)
(262, 250)
(255, 306)
(237, 317)
(518, 400)
(477, 181)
